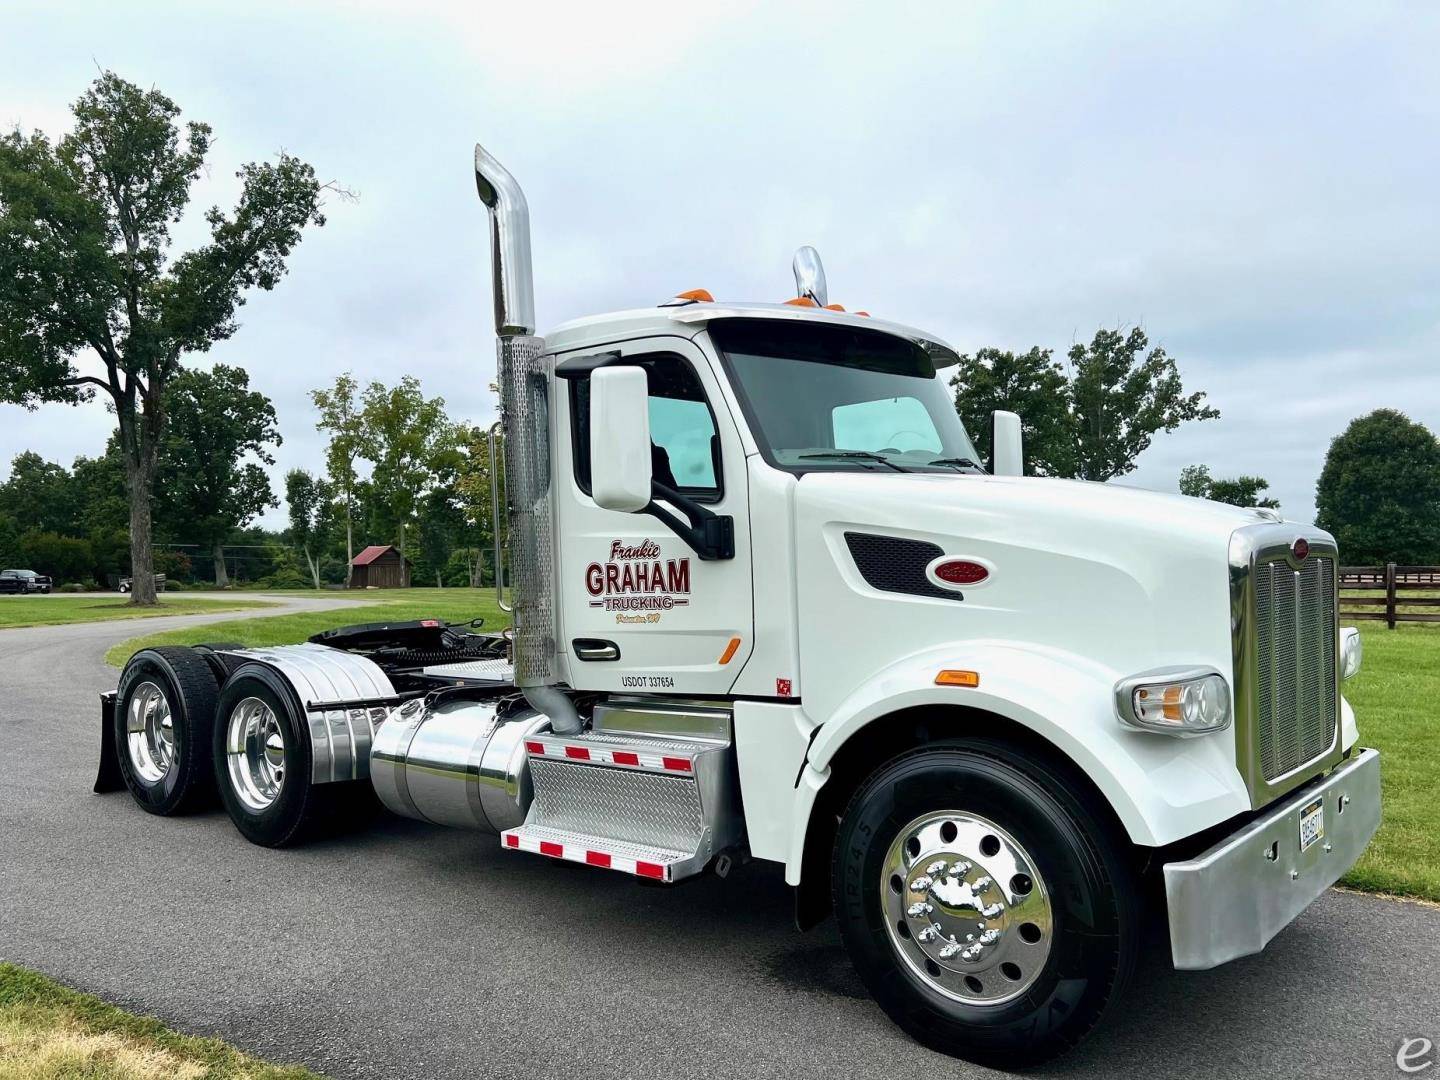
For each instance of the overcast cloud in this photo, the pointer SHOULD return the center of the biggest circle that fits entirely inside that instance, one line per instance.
(1255, 184)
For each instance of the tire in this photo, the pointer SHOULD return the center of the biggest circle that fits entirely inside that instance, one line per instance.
(1057, 938)
(256, 712)
(168, 695)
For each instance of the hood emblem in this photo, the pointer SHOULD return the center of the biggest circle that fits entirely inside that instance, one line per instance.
(1300, 549)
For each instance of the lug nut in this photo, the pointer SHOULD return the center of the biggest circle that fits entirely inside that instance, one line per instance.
(919, 908)
(972, 953)
(993, 910)
(921, 883)
(989, 937)
(946, 952)
(982, 883)
(936, 867)
(929, 933)
(961, 868)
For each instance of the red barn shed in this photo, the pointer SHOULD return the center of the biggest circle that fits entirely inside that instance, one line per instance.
(379, 566)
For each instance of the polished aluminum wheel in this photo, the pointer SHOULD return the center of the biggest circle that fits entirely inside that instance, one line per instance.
(255, 753)
(965, 908)
(150, 733)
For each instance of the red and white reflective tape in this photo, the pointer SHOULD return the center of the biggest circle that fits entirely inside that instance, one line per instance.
(590, 856)
(604, 755)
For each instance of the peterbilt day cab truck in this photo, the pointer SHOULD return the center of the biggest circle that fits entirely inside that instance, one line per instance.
(769, 604)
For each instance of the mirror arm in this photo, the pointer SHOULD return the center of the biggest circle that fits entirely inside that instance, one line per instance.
(711, 535)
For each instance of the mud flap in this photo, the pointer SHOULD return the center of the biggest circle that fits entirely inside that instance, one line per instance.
(109, 778)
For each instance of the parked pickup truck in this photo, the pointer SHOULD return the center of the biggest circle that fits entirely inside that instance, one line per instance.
(23, 581)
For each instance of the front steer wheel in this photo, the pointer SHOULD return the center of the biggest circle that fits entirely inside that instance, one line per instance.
(164, 715)
(985, 901)
(263, 766)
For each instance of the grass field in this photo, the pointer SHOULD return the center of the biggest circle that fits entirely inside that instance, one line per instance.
(1396, 698)
(50, 1032)
(452, 605)
(52, 610)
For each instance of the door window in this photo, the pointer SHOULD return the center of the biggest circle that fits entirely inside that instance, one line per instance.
(684, 444)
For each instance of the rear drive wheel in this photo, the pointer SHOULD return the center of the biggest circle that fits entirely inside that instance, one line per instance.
(985, 902)
(164, 715)
(263, 766)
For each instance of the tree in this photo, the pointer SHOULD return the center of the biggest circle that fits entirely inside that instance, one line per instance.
(1030, 384)
(39, 495)
(1090, 421)
(219, 434)
(409, 440)
(1379, 492)
(1196, 480)
(86, 267)
(311, 502)
(340, 417)
(63, 558)
(472, 486)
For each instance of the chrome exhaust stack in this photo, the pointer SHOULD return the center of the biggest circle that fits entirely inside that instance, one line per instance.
(524, 377)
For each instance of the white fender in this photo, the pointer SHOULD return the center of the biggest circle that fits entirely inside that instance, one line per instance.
(1161, 788)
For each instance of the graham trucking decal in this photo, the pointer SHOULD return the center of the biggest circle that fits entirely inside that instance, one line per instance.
(636, 583)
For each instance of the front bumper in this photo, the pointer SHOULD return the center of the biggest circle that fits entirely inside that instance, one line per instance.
(1231, 900)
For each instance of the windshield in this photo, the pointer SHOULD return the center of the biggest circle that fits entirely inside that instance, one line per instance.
(834, 397)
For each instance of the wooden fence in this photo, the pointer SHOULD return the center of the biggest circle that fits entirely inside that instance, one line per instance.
(1400, 587)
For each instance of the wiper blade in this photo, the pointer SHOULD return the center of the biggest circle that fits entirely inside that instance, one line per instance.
(854, 455)
(961, 462)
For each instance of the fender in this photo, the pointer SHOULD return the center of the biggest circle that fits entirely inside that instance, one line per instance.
(1161, 788)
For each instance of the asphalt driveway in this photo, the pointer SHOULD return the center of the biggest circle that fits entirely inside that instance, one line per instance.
(411, 951)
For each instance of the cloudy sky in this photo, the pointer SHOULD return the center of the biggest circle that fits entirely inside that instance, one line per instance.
(1254, 184)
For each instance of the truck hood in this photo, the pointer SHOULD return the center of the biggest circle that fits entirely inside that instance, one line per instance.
(1123, 576)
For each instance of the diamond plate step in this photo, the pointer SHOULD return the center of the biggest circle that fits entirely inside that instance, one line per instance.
(657, 864)
(663, 804)
(481, 671)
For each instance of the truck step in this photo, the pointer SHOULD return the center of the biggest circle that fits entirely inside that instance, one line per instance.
(658, 806)
(654, 863)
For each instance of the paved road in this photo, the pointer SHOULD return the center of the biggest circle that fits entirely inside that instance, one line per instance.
(411, 951)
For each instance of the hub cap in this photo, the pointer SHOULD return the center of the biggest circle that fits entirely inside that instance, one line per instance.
(965, 908)
(150, 733)
(255, 753)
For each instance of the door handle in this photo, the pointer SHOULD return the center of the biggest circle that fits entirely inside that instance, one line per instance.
(595, 649)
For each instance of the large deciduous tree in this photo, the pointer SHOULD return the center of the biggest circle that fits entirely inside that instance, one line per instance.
(311, 504)
(1379, 492)
(91, 298)
(218, 435)
(340, 418)
(1196, 480)
(1090, 420)
(410, 442)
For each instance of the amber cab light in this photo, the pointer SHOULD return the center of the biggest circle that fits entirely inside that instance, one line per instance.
(961, 572)
(952, 677)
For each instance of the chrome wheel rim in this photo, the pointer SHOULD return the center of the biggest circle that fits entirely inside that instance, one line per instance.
(150, 733)
(966, 910)
(255, 753)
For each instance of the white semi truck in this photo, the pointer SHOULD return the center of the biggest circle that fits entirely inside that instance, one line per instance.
(769, 604)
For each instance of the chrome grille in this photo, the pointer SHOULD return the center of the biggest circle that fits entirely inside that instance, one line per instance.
(1295, 699)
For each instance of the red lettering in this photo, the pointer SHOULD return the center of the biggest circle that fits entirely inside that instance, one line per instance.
(678, 574)
(612, 578)
(594, 579)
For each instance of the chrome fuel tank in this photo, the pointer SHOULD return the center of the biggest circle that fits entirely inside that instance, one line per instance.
(458, 763)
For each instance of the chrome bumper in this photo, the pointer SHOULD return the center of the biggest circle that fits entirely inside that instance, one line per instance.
(1231, 900)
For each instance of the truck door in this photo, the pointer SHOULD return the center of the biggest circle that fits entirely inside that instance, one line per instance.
(640, 610)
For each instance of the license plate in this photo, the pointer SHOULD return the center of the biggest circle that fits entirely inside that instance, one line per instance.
(1312, 823)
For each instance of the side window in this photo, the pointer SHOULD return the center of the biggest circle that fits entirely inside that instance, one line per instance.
(684, 444)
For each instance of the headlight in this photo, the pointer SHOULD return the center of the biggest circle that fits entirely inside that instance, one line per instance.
(1352, 650)
(1175, 701)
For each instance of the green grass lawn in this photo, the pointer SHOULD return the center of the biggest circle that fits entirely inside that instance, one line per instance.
(50, 1032)
(52, 610)
(1396, 698)
(382, 605)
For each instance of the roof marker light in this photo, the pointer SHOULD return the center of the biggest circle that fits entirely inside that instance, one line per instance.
(954, 677)
(802, 301)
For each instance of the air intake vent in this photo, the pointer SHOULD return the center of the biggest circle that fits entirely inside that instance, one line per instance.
(895, 564)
